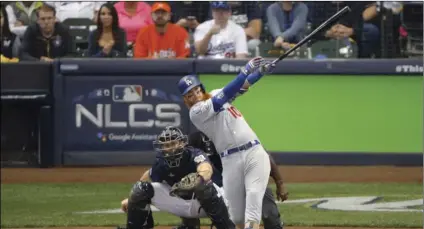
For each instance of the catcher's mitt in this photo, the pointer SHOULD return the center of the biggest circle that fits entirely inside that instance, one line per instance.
(185, 188)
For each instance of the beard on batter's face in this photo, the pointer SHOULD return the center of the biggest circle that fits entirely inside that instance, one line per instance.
(195, 95)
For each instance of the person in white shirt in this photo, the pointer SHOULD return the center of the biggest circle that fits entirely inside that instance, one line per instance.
(21, 14)
(76, 9)
(220, 37)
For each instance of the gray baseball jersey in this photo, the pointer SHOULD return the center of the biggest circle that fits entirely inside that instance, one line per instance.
(226, 128)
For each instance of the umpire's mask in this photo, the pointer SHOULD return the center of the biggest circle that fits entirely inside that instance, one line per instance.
(170, 145)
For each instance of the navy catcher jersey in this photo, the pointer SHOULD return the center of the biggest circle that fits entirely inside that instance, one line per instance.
(192, 157)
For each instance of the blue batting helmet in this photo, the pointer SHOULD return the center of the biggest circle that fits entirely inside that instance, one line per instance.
(189, 82)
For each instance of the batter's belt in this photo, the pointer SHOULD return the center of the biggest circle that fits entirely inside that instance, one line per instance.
(240, 148)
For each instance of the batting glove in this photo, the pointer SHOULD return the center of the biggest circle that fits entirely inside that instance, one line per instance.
(266, 68)
(253, 65)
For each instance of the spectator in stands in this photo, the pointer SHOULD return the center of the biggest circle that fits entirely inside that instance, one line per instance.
(10, 43)
(189, 14)
(287, 22)
(132, 17)
(21, 14)
(220, 37)
(349, 27)
(76, 9)
(108, 40)
(163, 39)
(47, 39)
(371, 32)
(249, 16)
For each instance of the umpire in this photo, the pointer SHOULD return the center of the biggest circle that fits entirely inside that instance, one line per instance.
(270, 213)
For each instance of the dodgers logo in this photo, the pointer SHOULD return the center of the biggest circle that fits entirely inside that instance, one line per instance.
(188, 82)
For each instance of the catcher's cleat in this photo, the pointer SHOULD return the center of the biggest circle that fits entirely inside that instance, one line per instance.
(185, 227)
(189, 224)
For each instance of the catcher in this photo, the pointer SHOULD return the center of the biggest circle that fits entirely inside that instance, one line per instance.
(270, 213)
(180, 182)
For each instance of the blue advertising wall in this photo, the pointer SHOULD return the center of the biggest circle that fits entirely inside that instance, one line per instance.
(108, 111)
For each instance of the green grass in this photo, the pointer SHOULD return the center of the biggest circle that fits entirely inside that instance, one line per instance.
(42, 205)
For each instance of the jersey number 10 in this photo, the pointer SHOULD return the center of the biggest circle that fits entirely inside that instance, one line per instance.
(234, 112)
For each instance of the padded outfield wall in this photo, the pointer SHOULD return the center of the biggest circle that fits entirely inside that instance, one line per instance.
(360, 112)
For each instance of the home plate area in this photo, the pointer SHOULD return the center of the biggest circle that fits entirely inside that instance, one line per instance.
(358, 203)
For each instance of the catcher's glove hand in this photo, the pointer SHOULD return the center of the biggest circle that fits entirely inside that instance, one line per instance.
(185, 188)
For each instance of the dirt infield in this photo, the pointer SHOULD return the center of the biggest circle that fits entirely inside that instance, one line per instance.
(291, 174)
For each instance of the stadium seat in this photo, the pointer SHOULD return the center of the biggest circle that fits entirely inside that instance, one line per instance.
(79, 28)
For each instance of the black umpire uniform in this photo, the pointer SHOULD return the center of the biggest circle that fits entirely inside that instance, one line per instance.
(270, 213)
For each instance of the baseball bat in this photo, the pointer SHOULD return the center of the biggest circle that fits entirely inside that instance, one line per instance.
(325, 24)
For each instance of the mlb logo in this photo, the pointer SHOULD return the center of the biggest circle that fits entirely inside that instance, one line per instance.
(127, 93)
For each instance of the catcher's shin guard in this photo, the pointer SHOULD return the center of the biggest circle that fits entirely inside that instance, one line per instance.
(139, 215)
(139, 219)
(214, 206)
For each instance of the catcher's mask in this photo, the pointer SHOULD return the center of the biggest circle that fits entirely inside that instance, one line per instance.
(170, 145)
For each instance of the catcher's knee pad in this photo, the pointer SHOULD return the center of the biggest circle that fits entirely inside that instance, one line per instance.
(270, 213)
(214, 206)
(141, 194)
(139, 215)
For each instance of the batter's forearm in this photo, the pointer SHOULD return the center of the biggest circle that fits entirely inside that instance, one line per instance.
(202, 45)
(275, 172)
(146, 176)
(205, 170)
(246, 85)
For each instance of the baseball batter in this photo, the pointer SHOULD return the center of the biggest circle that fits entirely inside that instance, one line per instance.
(181, 182)
(246, 166)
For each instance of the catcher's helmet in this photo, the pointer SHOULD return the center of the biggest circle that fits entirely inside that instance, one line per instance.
(170, 144)
(189, 82)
